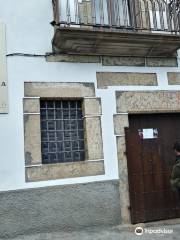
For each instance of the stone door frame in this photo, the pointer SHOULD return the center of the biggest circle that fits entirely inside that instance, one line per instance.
(137, 102)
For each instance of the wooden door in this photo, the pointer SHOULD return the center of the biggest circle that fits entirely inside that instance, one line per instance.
(150, 156)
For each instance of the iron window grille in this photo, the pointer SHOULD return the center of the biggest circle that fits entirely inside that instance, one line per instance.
(62, 132)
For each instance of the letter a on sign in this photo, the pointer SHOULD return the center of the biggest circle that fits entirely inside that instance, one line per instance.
(3, 72)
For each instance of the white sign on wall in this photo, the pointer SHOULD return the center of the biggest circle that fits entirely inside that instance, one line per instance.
(3, 72)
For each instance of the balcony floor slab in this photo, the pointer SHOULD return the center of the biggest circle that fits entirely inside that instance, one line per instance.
(98, 42)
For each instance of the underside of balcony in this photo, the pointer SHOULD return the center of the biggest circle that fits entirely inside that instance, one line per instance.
(114, 43)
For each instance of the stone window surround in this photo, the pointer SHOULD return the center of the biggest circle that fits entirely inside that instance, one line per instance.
(94, 160)
(137, 102)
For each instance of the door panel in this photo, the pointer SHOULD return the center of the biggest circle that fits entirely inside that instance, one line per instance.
(150, 162)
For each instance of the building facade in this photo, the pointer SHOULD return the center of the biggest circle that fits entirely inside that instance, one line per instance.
(89, 112)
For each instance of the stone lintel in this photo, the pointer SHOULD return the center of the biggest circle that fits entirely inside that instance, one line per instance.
(105, 79)
(72, 58)
(148, 101)
(173, 78)
(59, 89)
(64, 170)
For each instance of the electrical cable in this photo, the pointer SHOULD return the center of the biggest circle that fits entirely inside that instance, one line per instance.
(29, 55)
(43, 55)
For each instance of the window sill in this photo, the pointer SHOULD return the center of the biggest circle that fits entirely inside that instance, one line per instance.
(64, 170)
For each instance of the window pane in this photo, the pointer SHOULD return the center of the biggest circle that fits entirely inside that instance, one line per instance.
(59, 147)
(58, 114)
(65, 114)
(43, 104)
(51, 114)
(43, 114)
(67, 135)
(45, 147)
(59, 125)
(51, 136)
(59, 136)
(65, 104)
(44, 136)
(73, 114)
(60, 157)
(51, 125)
(58, 104)
(73, 125)
(79, 114)
(50, 104)
(75, 145)
(73, 104)
(44, 125)
(80, 125)
(74, 135)
(52, 147)
(81, 145)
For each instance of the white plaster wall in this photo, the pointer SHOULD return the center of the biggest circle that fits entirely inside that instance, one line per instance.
(28, 31)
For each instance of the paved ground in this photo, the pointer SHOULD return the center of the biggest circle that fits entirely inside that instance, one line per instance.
(116, 233)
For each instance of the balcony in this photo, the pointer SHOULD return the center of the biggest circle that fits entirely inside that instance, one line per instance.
(145, 28)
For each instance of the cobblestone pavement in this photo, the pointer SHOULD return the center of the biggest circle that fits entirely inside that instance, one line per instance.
(168, 231)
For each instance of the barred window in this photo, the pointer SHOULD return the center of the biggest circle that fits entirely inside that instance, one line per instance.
(62, 133)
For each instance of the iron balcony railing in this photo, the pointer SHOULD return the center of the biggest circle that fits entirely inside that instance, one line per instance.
(147, 15)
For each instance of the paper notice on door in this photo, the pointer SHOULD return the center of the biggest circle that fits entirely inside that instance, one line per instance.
(148, 133)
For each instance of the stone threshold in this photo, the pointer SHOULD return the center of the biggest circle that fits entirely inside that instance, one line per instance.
(155, 224)
(114, 61)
